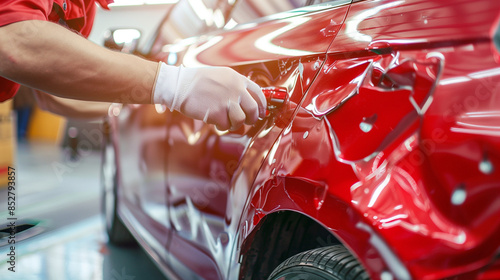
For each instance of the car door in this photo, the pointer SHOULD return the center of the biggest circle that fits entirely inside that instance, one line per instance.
(141, 133)
(142, 145)
(140, 150)
(210, 172)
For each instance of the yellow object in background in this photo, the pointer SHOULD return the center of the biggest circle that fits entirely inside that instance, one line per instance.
(45, 126)
(7, 141)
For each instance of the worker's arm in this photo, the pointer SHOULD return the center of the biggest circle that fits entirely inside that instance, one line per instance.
(70, 108)
(50, 58)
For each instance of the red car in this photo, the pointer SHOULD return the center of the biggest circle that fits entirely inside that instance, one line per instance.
(379, 157)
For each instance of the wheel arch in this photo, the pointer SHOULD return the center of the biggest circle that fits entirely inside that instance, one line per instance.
(277, 237)
(336, 222)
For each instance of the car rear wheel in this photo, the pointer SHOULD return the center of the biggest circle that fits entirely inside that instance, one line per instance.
(118, 234)
(327, 263)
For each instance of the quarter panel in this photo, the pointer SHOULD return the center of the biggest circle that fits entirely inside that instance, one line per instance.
(418, 200)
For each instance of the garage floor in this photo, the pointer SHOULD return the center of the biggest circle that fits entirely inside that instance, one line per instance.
(60, 229)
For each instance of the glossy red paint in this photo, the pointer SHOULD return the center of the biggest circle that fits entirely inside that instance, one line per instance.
(271, 40)
(431, 197)
(388, 138)
(416, 24)
(204, 203)
(396, 192)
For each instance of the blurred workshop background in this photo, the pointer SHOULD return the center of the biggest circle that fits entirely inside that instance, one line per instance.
(60, 231)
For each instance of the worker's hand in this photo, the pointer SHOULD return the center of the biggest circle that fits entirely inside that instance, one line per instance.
(216, 95)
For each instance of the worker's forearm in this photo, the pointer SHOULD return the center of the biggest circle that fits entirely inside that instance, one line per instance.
(55, 60)
(69, 108)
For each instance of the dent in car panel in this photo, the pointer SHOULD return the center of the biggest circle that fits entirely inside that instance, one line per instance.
(371, 104)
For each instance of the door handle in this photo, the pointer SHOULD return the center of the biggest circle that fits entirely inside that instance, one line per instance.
(275, 96)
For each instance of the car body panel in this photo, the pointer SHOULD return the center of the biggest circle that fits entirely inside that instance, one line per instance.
(205, 204)
(142, 192)
(379, 149)
(403, 24)
(388, 139)
(271, 39)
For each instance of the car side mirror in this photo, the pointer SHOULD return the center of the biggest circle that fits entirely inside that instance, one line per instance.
(123, 39)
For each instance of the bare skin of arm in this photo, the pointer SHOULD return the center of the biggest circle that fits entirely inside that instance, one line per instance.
(70, 108)
(45, 56)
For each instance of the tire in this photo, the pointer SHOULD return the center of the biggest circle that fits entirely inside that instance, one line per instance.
(327, 263)
(118, 234)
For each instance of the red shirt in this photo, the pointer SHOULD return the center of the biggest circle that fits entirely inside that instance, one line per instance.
(78, 15)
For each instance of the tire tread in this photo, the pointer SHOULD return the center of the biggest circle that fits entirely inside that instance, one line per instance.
(334, 261)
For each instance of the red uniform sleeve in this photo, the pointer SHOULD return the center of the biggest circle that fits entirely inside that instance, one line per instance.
(77, 15)
(19, 10)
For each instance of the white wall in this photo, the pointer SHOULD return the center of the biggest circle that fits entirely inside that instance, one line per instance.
(145, 18)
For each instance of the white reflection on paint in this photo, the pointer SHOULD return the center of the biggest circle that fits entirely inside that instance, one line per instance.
(378, 191)
(190, 57)
(475, 75)
(265, 43)
(395, 265)
(352, 25)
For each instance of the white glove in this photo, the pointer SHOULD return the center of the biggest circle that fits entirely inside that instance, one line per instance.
(216, 95)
